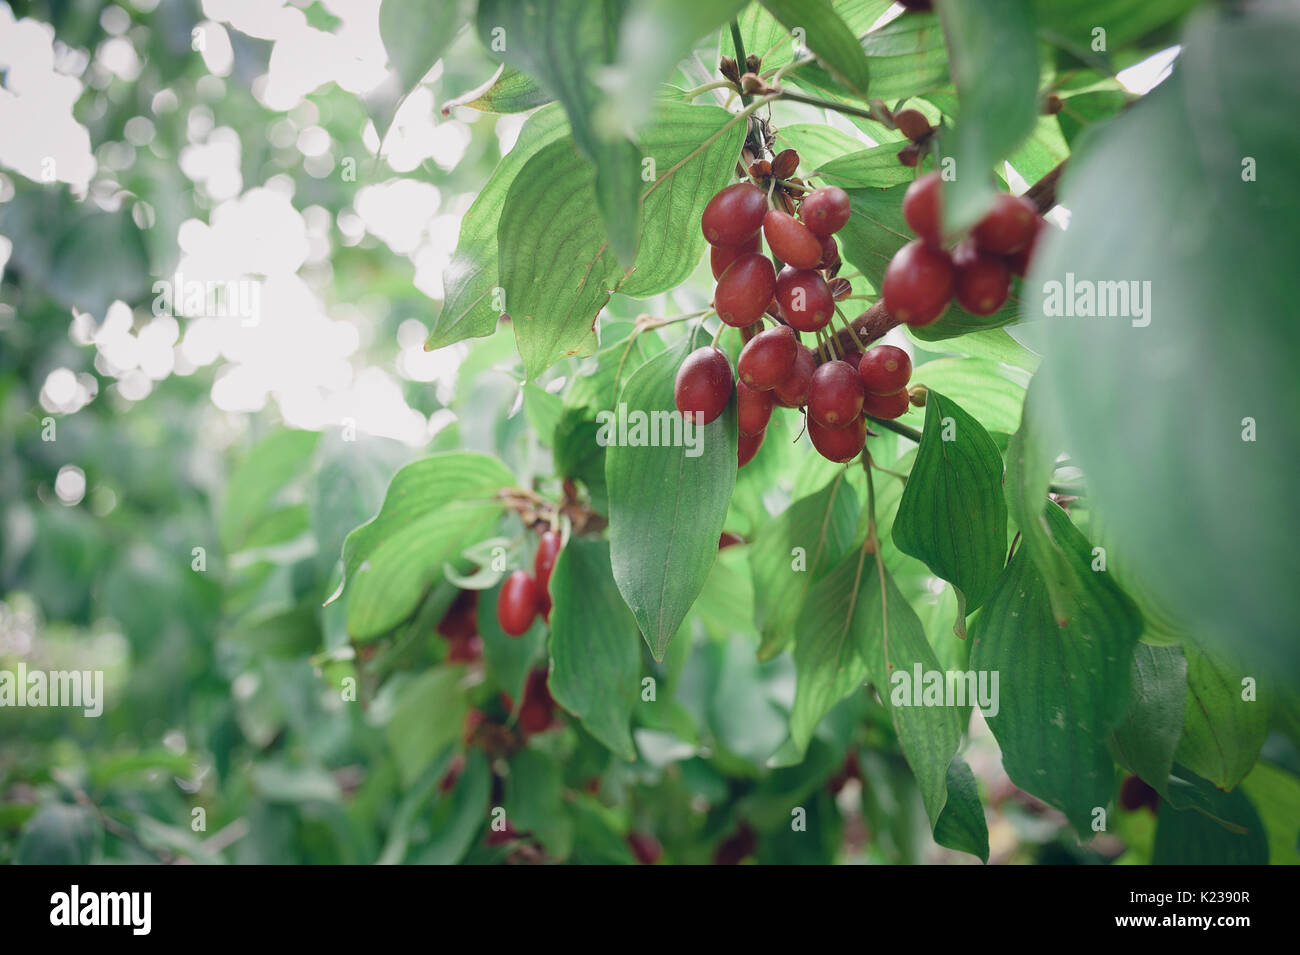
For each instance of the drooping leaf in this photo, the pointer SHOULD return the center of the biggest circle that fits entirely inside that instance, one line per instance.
(1148, 737)
(962, 826)
(459, 816)
(1225, 724)
(535, 801)
(829, 38)
(1199, 836)
(1275, 794)
(507, 91)
(1074, 24)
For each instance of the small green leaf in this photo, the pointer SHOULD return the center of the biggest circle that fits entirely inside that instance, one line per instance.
(1223, 732)
(273, 464)
(877, 167)
(962, 826)
(535, 801)
(507, 659)
(415, 35)
(508, 91)
(1148, 737)
(460, 815)
(829, 37)
(427, 718)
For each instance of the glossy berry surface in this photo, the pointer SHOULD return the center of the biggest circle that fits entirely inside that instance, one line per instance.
(825, 210)
(830, 253)
(517, 603)
(721, 256)
(885, 369)
(921, 208)
(548, 548)
(734, 215)
(1018, 262)
(793, 392)
(983, 279)
(835, 395)
(791, 241)
(918, 283)
(767, 358)
(745, 290)
(1008, 227)
(838, 444)
(805, 299)
(747, 447)
(753, 409)
(887, 407)
(703, 383)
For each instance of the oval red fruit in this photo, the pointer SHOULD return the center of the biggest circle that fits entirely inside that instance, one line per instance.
(767, 358)
(548, 548)
(885, 369)
(886, 407)
(918, 283)
(983, 279)
(734, 215)
(921, 208)
(835, 395)
(1008, 226)
(838, 444)
(825, 210)
(793, 392)
(805, 299)
(721, 256)
(745, 290)
(517, 603)
(791, 241)
(1018, 262)
(753, 409)
(747, 446)
(703, 383)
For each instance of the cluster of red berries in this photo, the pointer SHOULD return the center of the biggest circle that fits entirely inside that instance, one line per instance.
(523, 596)
(923, 276)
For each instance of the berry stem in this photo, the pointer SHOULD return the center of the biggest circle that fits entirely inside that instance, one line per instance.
(739, 44)
(872, 114)
(852, 332)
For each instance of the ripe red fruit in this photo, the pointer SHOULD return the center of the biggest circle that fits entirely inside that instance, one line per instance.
(747, 447)
(887, 407)
(517, 603)
(767, 358)
(805, 299)
(467, 649)
(983, 279)
(853, 358)
(884, 370)
(918, 283)
(703, 383)
(1018, 262)
(921, 208)
(645, 847)
(830, 253)
(791, 241)
(737, 847)
(1135, 794)
(753, 409)
(537, 711)
(835, 395)
(838, 444)
(721, 256)
(825, 210)
(793, 392)
(734, 215)
(745, 290)
(1009, 225)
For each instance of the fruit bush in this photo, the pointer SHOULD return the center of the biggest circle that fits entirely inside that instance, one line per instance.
(841, 431)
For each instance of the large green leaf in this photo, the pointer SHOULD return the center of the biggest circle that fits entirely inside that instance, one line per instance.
(427, 718)
(1200, 837)
(875, 231)
(595, 647)
(1072, 23)
(908, 56)
(1148, 737)
(829, 38)
(877, 167)
(458, 817)
(952, 515)
(59, 834)
(1275, 794)
(792, 551)
(994, 60)
(276, 462)
(1206, 508)
(535, 801)
(667, 507)
(1223, 732)
(988, 391)
(1062, 688)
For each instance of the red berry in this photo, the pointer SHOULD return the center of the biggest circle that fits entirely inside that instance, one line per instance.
(838, 444)
(753, 408)
(918, 283)
(835, 395)
(1009, 225)
(791, 241)
(747, 447)
(720, 256)
(853, 357)
(826, 210)
(645, 847)
(921, 208)
(536, 712)
(1018, 262)
(805, 299)
(983, 279)
(793, 392)
(1135, 794)
(886, 407)
(465, 649)
(517, 603)
(885, 369)
(734, 215)
(703, 383)
(548, 548)
(830, 253)
(745, 290)
(767, 358)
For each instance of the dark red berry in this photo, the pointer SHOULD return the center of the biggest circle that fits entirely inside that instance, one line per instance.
(737, 847)
(793, 392)
(1009, 225)
(753, 409)
(921, 208)
(825, 210)
(721, 256)
(728, 539)
(734, 215)
(1135, 794)
(767, 358)
(912, 124)
(747, 447)
(805, 299)
(791, 241)
(835, 395)
(548, 548)
(885, 369)
(918, 5)
(745, 290)
(838, 444)
(1018, 262)
(517, 603)
(645, 847)
(886, 407)
(853, 357)
(830, 253)
(918, 283)
(703, 383)
(537, 711)
(983, 279)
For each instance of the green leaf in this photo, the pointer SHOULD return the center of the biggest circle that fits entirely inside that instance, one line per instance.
(1148, 737)
(988, 391)
(508, 91)
(58, 834)
(507, 659)
(1062, 689)
(274, 463)
(427, 718)
(875, 231)
(952, 515)
(1275, 794)
(794, 550)
(1223, 733)
(994, 60)
(908, 56)
(877, 167)
(818, 145)
(1071, 23)
(962, 826)
(1226, 253)
(535, 801)
(471, 277)
(829, 37)
(667, 507)
(459, 816)
(595, 645)
(1196, 837)
(416, 34)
